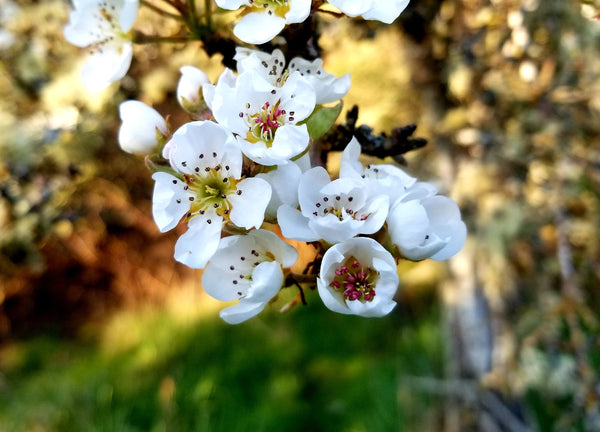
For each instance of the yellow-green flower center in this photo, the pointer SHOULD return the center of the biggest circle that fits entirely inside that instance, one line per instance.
(211, 189)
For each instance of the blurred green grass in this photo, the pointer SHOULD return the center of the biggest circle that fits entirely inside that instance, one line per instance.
(310, 370)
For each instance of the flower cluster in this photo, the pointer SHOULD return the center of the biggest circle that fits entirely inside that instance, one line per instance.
(105, 28)
(240, 171)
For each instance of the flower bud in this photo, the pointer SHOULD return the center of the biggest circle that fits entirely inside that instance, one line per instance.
(189, 90)
(142, 129)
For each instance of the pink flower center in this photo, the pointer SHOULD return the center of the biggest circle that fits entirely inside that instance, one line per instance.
(264, 124)
(268, 119)
(355, 281)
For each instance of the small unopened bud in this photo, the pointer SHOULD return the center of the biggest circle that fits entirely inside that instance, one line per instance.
(189, 90)
(143, 128)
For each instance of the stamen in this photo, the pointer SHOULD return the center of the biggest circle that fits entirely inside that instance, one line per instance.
(355, 281)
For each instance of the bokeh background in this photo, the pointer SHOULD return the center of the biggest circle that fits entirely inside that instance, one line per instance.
(101, 330)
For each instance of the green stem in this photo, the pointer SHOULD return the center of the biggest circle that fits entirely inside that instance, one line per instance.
(160, 11)
(155, 166)
(208, 14)
(192, 19)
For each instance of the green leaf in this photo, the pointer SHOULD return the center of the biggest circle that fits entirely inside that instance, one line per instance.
(322, 119)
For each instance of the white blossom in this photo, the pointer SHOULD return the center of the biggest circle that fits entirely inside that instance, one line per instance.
(358, 277)
(272, 67)
(265, 118)
(103, 26)
(141, 129)
(333, 211)
(387, 179)
(207, 191)
(247, 268)
(425, 225)
(263, 19)
(381, 10)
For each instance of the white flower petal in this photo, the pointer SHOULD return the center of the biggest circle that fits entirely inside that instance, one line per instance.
(385, 11)
(331, 90)
(309, 190)
(377, 209)
(169, 201)
(248, 209)
(105, 67)
(426, 249)
(297, 96)
(330, 300)
(250, 93)
(138, 130)
(270, 66)
(267, 280)
(350, 167)
(226, 80)
(231, 4)
(407, 224)
(456, 242)
(198, 145)
(241, 312)
(299, 11)
(258, 27)
(289, 141)
(418, 191)
(332, 230)
(294, 225)
(232, 269)
(352, 8)
(197, 245)
(128, 14)
(328, 87)
(219, 281)
(77, 31)
(190, 86)
(441, 209)
(284, 183)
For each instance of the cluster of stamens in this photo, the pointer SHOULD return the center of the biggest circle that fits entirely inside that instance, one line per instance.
(354, 281)
(210, 189)
(263, 124)
(338, 206)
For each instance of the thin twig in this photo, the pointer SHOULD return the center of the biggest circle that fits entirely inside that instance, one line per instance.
(141, 38)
